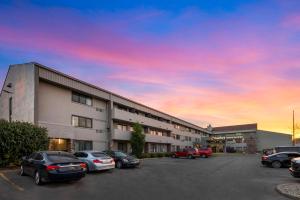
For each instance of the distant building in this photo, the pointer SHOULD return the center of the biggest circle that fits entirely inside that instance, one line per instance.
(246, 138)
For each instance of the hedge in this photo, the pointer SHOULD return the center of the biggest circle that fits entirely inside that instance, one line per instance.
(156, 155)
(19, 139)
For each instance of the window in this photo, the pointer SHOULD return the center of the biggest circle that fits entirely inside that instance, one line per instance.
(122, 146)
(10, 108)
(81, 154)
(176, 126)
(122, 127)
(79, 98)
(177, 137)
(82, 122)
(130, 128)
(82, 145)
(38, 157)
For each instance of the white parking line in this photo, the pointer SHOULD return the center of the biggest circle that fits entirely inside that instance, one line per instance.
(11, 182)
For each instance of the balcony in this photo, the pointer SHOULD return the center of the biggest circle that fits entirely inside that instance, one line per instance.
(159, 139)
(121, 135)
(133, 117)
(125, 135)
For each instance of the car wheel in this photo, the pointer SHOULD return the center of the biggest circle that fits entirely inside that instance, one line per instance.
(119, 164)
(174, 156)
(38, 178)
(190, 156)
(22, 171)
(276, 164)
(87, 168)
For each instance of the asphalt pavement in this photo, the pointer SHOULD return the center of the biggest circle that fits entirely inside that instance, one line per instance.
(221, 177)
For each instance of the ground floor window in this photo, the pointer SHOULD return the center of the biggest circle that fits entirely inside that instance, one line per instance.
(82, 145)
(122, 146)
(59, 144)
(158, 148)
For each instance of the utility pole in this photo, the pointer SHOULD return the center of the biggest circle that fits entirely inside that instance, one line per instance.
(294, 142)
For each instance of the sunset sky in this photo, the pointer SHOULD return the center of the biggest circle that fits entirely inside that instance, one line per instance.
(208, 62)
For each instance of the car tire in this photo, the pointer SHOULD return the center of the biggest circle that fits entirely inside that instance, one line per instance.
(37, 178)
(87, 168)
(174, 156)
(276, 164)
(119, 165)
(22, 173)
(190, 156)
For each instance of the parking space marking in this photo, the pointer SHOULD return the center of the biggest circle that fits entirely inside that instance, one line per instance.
(11, 182)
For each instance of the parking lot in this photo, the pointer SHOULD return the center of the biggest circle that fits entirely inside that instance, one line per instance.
(219, 177)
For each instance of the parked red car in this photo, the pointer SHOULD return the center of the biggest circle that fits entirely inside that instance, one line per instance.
(187, 153)
(205, 152)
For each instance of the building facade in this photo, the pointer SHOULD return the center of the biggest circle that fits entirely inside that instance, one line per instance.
(81, 116)
(246, 138)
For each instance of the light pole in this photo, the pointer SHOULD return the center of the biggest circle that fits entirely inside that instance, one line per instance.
(293, 137)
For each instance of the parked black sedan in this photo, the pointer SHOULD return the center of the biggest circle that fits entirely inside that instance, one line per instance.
(47, 166)
(122, 159)
(277, 160)
(295, 167)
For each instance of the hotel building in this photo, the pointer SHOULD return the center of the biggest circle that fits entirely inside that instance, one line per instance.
(246, 138)
(81, 116)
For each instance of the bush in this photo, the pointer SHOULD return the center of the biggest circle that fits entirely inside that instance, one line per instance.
(160, 155)
(19, 139)
(145, 155)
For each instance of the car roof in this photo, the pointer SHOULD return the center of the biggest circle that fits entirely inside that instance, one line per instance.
(285, 152)
(52, 152)
(90, 151)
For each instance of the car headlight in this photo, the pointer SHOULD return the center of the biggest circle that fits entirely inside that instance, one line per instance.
(125, 160)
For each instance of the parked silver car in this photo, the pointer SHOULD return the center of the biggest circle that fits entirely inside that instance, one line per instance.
(96, 160)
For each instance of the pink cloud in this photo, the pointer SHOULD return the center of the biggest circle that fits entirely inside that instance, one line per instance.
(292, 21)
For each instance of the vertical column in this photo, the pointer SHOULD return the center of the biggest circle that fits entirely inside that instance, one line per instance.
(110, 122)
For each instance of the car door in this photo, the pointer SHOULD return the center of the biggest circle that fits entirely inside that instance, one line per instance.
(26, 164)
(38, 161)
(184, 153)
(30, 164)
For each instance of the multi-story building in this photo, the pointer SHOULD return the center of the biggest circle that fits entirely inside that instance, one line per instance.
(81, 116)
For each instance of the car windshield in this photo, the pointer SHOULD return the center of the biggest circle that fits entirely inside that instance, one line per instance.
(99, 154)
(60, 157)
(120, 154)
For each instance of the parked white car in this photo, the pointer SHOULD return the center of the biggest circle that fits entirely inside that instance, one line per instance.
(96, 160)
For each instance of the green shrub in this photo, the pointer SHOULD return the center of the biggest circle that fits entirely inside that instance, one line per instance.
(152, 155)
(145, 155)
(19, 139)
(159, 155)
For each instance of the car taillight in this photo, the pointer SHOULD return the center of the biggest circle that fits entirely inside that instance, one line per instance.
(264, 157)
(97, 161)
(83, 165)
(52, 167)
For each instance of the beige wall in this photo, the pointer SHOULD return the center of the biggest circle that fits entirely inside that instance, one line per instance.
(268, 140)
(55, 108)
(22, 78)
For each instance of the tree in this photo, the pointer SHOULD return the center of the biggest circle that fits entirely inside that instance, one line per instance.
(137, 140)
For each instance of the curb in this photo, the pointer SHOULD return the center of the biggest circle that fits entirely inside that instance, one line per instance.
(277, 188)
